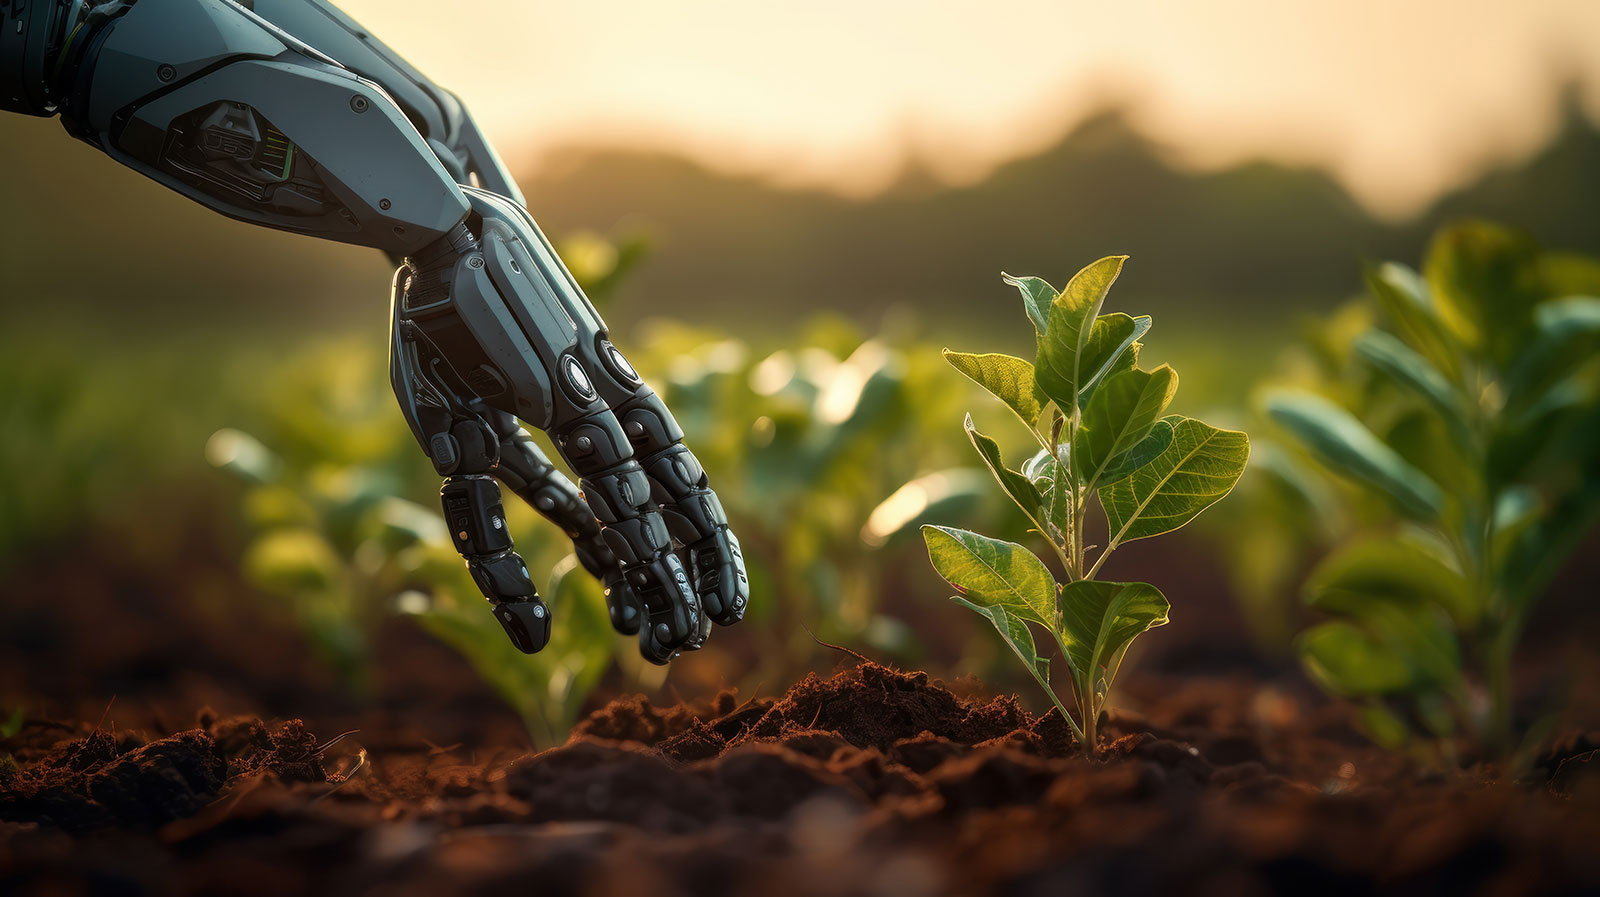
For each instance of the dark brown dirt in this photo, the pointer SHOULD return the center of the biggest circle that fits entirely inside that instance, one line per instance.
(871, 781)
(100, 780)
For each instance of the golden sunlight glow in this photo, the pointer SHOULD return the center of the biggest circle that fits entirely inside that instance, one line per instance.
(1400, 99)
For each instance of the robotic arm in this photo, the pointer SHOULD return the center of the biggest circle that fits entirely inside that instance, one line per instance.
(287, 114)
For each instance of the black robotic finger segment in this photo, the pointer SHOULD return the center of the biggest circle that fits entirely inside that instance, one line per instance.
(647, 422)
(525, 469)
(594, 443)
(474, 514)
(477, 524)
(619, 493)
(527, 624)
(674, 618)
(637, 540)
(696, 518)
(596, 557)
(720, 578)
(502, 577)
(625, 607)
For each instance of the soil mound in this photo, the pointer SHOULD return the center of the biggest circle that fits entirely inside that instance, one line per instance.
(100, 780)
(871, 781)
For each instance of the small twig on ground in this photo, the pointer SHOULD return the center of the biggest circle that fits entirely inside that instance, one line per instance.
(333, 741)
(344, 778)
(853, 653)
(105, 713)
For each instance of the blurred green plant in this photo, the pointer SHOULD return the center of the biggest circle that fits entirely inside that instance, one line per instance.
(345, 528)
(804, 444)
(1097, 418)
(83, 448)
(12, 724)
(342, 536)
(600, 262)
(548, 689)
(1474, 416)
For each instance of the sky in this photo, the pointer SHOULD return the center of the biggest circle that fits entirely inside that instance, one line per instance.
(1399, 98)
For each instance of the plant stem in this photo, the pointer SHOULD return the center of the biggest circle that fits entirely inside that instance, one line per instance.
(1086, 709)
(1076, 506)
(1110, 547)
(1498, 675)
(1056, 700)
(1091, 717)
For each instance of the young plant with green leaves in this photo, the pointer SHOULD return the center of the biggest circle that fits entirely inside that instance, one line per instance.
(829, 454)
(1476, 416)
(1103, 439)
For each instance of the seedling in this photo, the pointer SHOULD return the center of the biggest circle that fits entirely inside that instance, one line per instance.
(1476, 416)
(1098, 420)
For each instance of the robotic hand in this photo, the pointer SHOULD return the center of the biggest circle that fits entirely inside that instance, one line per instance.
(287, 114)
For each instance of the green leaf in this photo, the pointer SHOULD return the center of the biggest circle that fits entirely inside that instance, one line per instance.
(1041, 472)
(1412, 372)
(243, 455)
(940, 495)
(1019, 487)
(1110, 340)
(1099, 618)
(1568, 334)
(292, 561)
(1569, 274)
(1040, 466)
(1447, 455)
(1384, 728)
(1346, 445)
(1148, 449)
(1387, 570)
(1036, 298)
(1120, 416)
(1532, 557)
(1014, 630)
(1569, 316)
(1129, 359)
(991, 573)
(1345, 660)
(1197, 469)
(1484, 280)
(1006, 377)
(1061, 366)
(1403, 295)
(1389, 649)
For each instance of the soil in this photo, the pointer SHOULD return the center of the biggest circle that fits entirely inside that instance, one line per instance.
(869, 781)
(1221, 774)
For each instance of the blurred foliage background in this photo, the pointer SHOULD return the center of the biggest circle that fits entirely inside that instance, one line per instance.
(174, 384)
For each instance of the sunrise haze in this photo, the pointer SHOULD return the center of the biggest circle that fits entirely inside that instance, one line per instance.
(1400, 100)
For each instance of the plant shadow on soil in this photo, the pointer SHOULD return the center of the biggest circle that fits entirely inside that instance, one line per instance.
(867, 781)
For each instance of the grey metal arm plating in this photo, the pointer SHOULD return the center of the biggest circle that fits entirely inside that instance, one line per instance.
(287, 114)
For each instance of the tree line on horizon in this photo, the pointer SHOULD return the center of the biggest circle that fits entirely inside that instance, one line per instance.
(1259, 238)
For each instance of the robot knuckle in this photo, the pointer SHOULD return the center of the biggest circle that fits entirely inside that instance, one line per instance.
(621, 548)
(649, 425)
(595, 445)
(503, 577)
(678, 472)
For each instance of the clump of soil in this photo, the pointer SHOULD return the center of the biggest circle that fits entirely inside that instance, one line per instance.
(101, 780)
(872, 781)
